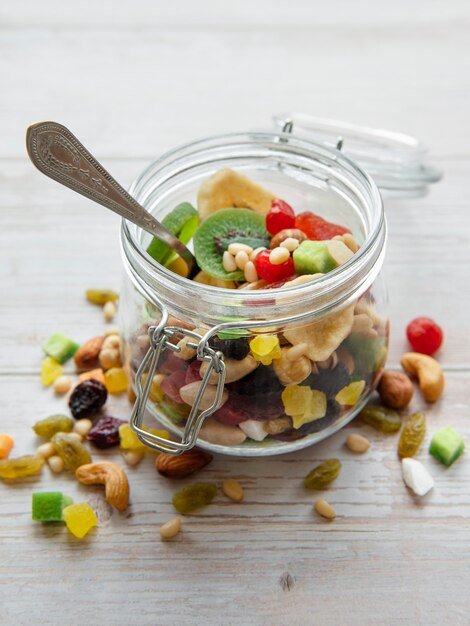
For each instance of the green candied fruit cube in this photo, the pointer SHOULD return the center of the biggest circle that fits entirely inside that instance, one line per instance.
(60, 347)
(447, 445)
(48, 506)
(313, 257)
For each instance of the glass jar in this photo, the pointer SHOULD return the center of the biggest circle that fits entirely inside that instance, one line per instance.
(287, 366)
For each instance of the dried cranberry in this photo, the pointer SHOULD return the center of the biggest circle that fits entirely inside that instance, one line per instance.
(424, 335)
(280, 216)
(231, 412)
(192, 373)
(87, 398)
(172, 363)
(172, 384)
(105, 432)
(270, 272)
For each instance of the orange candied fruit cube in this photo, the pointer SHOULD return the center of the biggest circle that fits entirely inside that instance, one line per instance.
(97, 374)
(6, 444)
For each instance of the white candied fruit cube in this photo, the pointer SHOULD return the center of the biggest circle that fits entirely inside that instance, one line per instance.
(253, 429)
(416, 476)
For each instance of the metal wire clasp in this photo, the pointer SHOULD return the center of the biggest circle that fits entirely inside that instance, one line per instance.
(160, 337)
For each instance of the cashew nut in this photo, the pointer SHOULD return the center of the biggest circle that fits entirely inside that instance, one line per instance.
(234, 370)
(348, 240)
(189, 393)
(363, 325)
(112, 476)
(428, 372)
(292, 372)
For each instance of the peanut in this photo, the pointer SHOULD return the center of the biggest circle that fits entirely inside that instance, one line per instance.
(133, 457)
(292, 372)
(110, 475)
(56, 464)
(61, 385)
(170, 529)
(83, 427)
(323, 508)
(357, 443)
(46, 450)
(428, 372)
(233, 490)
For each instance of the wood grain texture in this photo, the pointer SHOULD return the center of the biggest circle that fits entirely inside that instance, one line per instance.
(133, 81)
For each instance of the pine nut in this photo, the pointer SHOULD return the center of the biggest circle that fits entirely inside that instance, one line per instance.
(241, 259)
(83, 427)
(133, 457)
(357, 443)
(56, 464)
(234, 248)
(61, 385)
(109, 311)
(255, 252)
(228, 262)
(46, 450)
(323, 508)
(290, 243)
(297, 351)
(251, 275)
(279, 255)
(233, 490)
(170, 529)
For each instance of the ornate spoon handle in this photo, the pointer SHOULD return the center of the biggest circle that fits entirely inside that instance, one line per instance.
(57, 153)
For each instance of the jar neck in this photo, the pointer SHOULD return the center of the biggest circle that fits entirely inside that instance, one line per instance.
(210, 306)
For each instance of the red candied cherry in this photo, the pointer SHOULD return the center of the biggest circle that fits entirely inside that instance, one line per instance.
(424, 335)
(280, 216)
(317, 228)
(270, 272)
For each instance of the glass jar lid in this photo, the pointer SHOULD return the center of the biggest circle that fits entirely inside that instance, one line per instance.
(394, 160)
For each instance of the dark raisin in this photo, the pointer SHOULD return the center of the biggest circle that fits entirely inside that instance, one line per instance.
(262, 380)
(105, 432)
(87, 398)
(231, 348)
(329, 381)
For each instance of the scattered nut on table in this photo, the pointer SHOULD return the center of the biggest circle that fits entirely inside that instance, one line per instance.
(395, 389)
(428, 372)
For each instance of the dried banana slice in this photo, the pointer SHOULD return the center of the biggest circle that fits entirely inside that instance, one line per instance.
(323, 337)
(226, 189)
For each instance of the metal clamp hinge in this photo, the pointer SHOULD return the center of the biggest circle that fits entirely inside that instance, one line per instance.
(160, 340)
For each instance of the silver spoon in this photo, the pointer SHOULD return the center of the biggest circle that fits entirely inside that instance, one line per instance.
(57, 153)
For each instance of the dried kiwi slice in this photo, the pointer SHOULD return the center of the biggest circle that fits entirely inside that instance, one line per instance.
(222, 228)
(182, 222)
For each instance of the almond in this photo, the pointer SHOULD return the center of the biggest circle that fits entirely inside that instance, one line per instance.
(182, 465)
(86, 357)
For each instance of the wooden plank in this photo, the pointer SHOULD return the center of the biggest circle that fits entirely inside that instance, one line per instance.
(382, 561)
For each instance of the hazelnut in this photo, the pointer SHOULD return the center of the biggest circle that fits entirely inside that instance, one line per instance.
(395, 389)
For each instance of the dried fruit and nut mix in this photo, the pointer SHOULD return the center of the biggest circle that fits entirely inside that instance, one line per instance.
(282, 384)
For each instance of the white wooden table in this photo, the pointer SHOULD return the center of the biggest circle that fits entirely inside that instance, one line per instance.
(132, 82)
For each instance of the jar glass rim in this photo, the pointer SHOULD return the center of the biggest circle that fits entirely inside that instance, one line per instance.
(359, 271)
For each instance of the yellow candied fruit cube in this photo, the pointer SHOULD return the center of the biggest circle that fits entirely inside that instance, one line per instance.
(349, 395)
(115, 380)
(6, 444)
(129, 442)
(265, 348)
(316, 409)
(80, 519)
(50, 370)
(296, 399)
